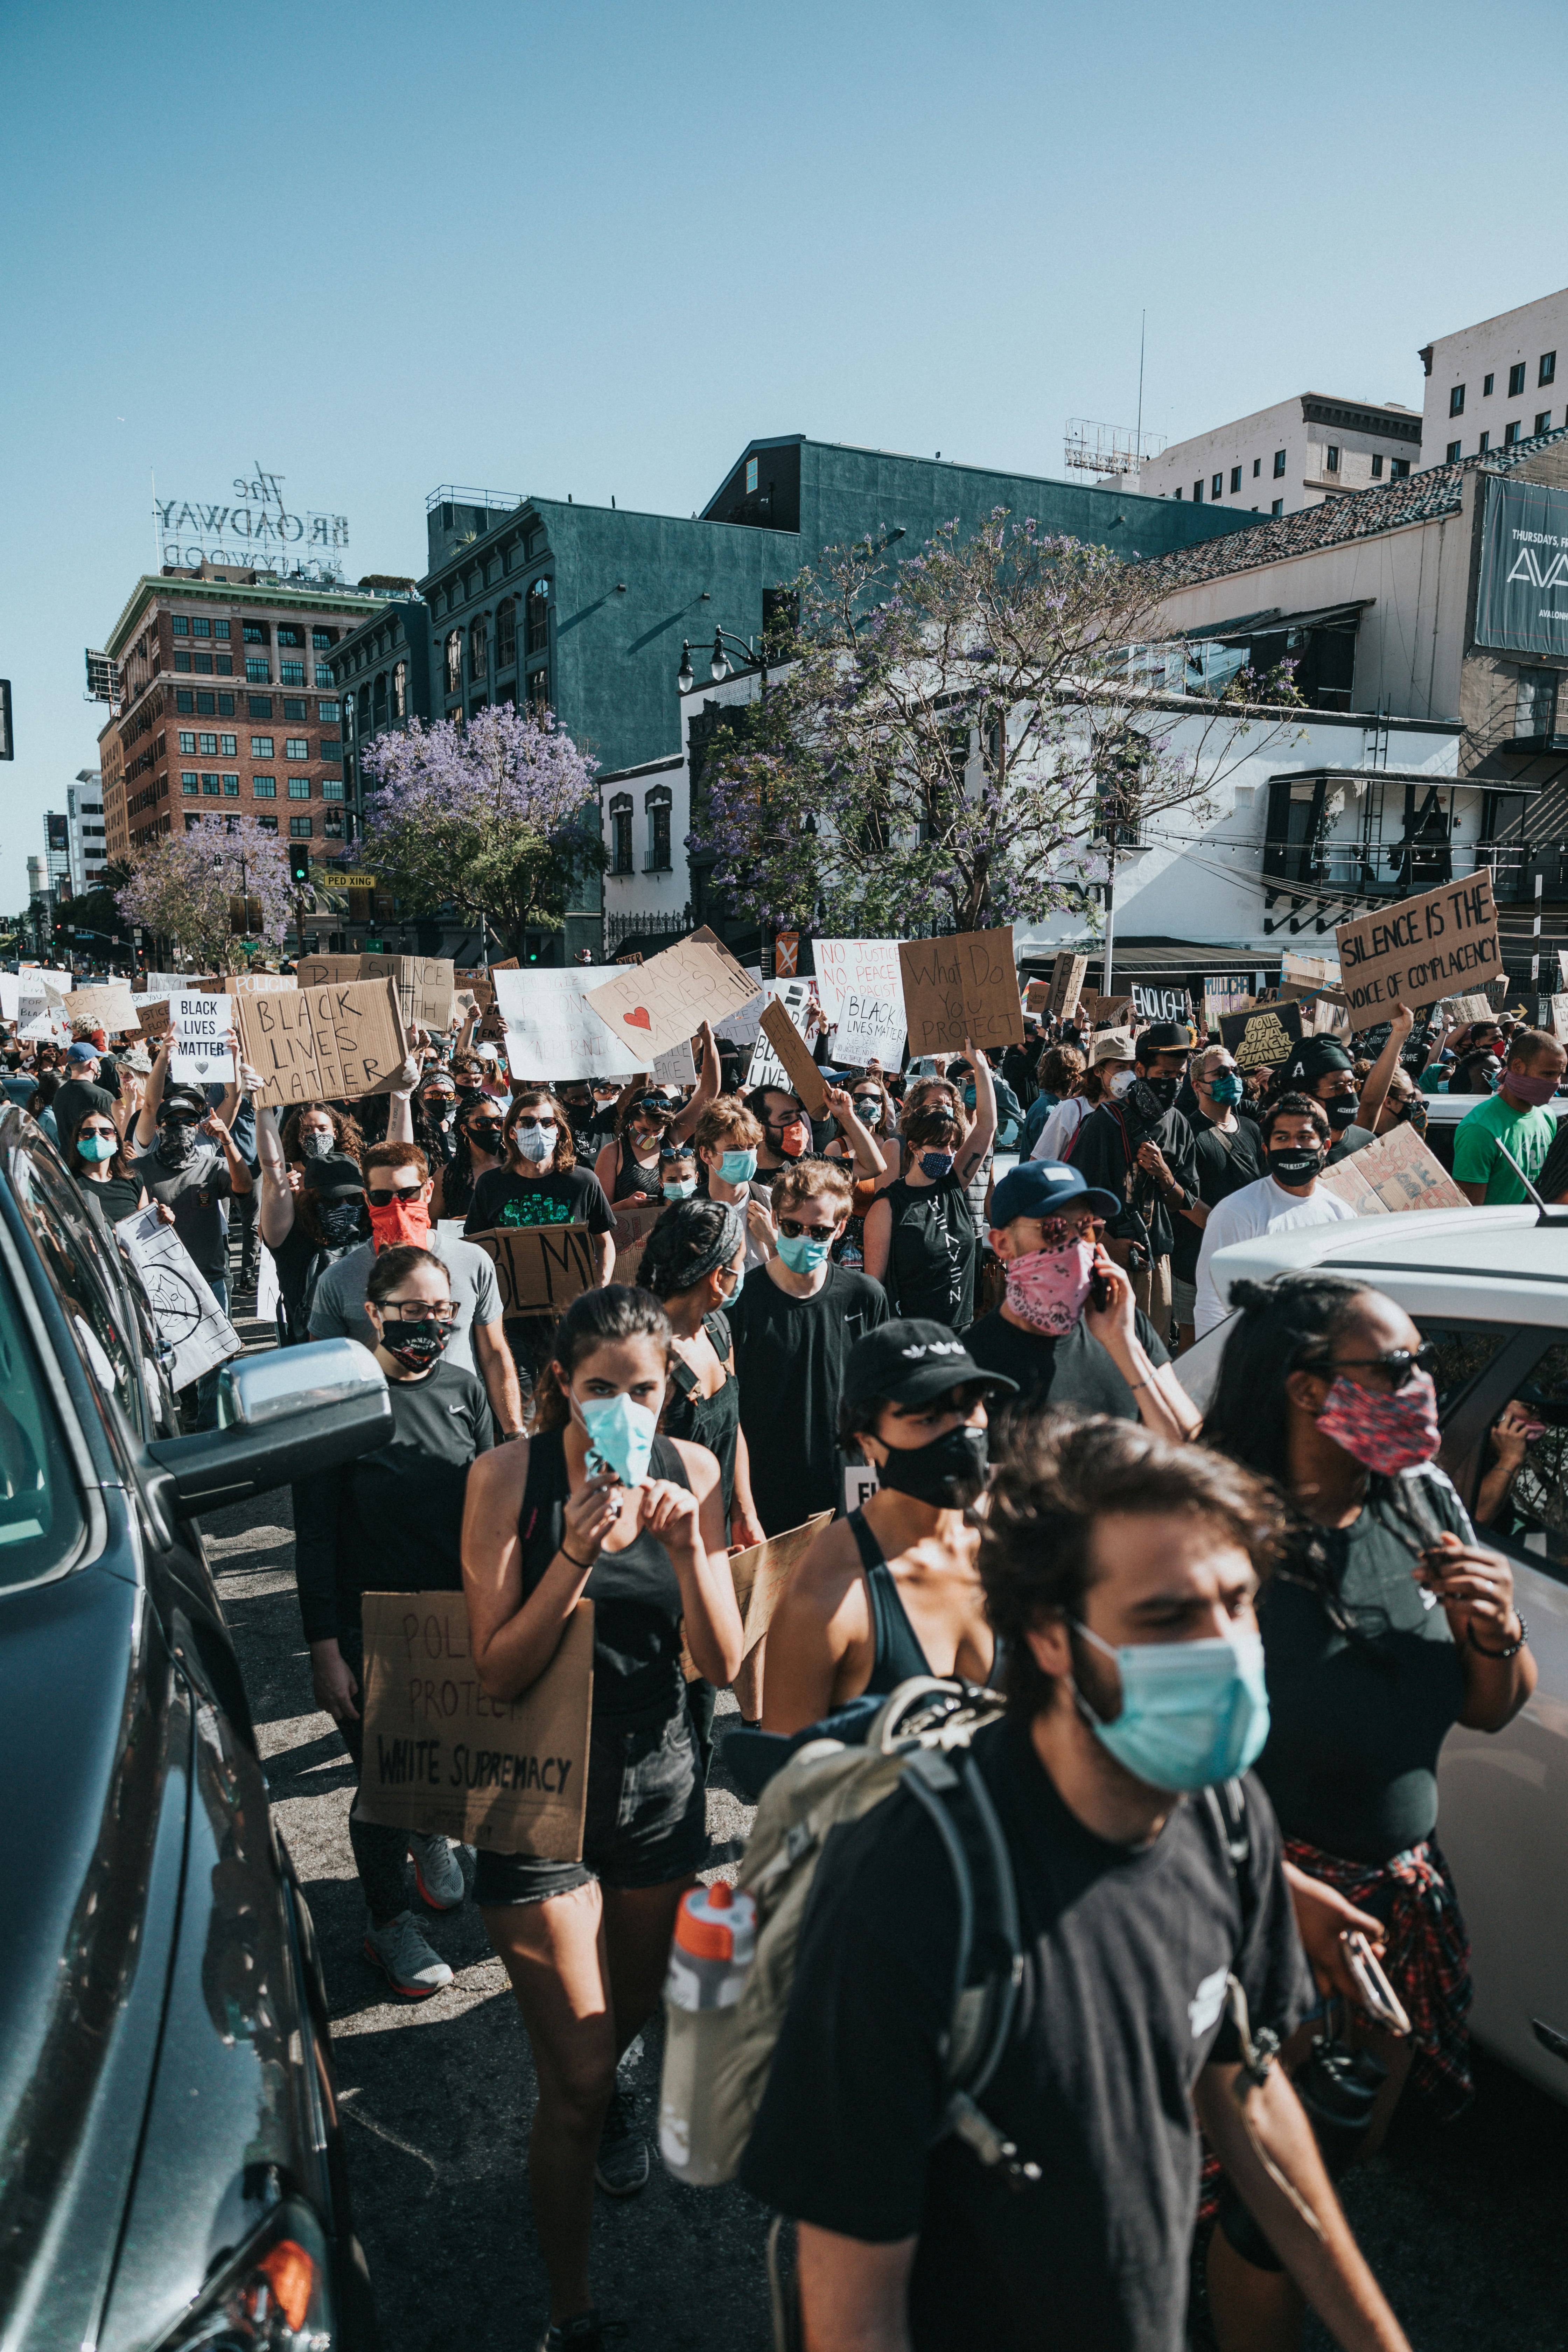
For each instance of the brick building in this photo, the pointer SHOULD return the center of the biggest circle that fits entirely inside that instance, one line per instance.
(226, 703)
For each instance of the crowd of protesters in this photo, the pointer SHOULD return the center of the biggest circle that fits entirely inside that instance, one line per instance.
(1286, 1598)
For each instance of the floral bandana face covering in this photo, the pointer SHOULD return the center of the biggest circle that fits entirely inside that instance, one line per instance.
(1046, 1290)
(1387, 1433)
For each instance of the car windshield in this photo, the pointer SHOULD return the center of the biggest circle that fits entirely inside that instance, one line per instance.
(42, 1524)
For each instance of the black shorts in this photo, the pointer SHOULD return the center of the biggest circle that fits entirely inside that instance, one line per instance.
(647, 1820)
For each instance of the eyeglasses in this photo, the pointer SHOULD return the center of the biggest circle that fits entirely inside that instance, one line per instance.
(797, 1232)
(417, 1310)
(379, 1198)
(84, 1129)
(1400, 1364)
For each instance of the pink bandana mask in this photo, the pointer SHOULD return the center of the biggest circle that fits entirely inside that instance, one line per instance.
(1385, 1434)
(1046, 1288)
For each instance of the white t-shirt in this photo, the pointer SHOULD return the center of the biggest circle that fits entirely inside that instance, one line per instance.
(1060, 1128)
(1265, 1207)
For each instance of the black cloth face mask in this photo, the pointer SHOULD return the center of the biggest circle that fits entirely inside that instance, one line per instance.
(341, 1222)
(1295, 1166)
(948, 1473)
(415, 1346)
(1342, 1112)
(1151, 1097)
(176, 1141)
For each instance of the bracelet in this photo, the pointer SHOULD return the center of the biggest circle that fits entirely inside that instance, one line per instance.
(1134, 1386)
(584, 1564)
(1512, 1649)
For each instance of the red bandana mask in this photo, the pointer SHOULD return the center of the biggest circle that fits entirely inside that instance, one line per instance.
(401, 1221)
(1385, 1434)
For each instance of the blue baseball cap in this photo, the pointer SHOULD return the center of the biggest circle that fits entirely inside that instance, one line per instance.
(80, 1052)
(1042, 1188)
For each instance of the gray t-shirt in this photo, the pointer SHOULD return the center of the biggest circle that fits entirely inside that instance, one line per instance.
(337, 1311)
(198, 1193)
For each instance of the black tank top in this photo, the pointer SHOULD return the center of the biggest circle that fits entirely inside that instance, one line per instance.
(930, 1258)
(631, 1175)
(899, 1654)
(714, 1422)
(636, 1593)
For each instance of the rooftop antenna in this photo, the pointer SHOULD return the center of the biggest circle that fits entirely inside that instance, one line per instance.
(1138, 446)
(157, 543)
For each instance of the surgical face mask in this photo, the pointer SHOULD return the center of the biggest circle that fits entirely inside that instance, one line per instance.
(1341, 1110)
(1225, 1088)
(536, 1143)
(1294, 1166)
(1193, 1712)
(936, 1165)
(316, 1142)
(681, 1190)
(969, 1098)
(948, 1473)
(1383, 1431)
(801, 1254)
(1529, 1088)
(1046, 1288)
(620, 1435)
(415, 1346)
(738, 1167)
(1122, 1084)
(96, 1147)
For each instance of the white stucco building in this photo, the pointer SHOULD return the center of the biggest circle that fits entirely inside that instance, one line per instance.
(1494, 383)
(1297, 454)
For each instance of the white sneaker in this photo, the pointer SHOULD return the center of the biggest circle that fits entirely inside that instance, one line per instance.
(436, 1872)
(408, 1962)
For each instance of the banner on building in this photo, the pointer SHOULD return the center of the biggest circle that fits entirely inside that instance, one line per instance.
(1522, 597)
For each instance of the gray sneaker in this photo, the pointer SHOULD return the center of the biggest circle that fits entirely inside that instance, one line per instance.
(438, 1873)
(399, 1949)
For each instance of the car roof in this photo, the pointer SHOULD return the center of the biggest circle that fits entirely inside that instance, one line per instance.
(1485, 1260)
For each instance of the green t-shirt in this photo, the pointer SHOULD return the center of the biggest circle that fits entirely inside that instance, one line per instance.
(1528, 1136)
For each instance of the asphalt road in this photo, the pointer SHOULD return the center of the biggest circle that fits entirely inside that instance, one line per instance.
(1463, 2226)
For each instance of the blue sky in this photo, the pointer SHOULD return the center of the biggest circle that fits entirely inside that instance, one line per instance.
(597, 248)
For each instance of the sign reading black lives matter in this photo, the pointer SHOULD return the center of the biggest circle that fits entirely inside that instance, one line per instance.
(1444, 943)
(1522, 598)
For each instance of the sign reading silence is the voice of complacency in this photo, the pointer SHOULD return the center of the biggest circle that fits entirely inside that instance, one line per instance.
(1418, 950)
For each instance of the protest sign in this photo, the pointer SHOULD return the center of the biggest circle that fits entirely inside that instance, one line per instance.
(1325, 1015)
(424, 985)
(1159, 1003)
(1467, 1008)
(41, 1016)
(108, 1008)
(634, 1220)
(443, 1757)
(653, 1006)
(1215, 1008)
(188, 1318)
(794, 1055)
(677, 1067)
(861, 995)
(1399, 1172)
(327, 972)
(1308, 971)
(743, 1027)
(1112, 1011)
(553, 1032)
(799, 1003)
(61, 983)
(1263, 1038)
(477, 985)
(1036, 996)
(507, 964)
(1415, 951)
(1560, 1019)
(257, 984)
(759, 1576)
(1066, 986)
(540, 1269)
(959, 989)
(199, 1026)
(320, 1044)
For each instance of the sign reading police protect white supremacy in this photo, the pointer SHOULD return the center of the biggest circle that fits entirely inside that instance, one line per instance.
(1420, 950)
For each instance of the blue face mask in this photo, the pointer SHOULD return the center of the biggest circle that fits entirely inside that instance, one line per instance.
(969, 1098)
(95, 1147)
(801, 1254)
(738, 1167)
(1193, 1712)
(1225, 1088)
(936, 1165)
(620, 1435)
(681, 1191)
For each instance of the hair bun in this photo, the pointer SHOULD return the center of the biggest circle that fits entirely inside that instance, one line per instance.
(1250, 1295)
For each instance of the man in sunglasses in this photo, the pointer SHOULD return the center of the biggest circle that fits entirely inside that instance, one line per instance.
(397, 1194)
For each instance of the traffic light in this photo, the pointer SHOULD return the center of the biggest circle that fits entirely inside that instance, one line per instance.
(299, 862)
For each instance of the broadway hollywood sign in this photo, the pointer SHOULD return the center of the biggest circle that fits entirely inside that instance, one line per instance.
(256, 531)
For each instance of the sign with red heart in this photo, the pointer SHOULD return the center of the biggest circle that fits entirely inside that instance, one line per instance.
(637, 1017)
(667, 999)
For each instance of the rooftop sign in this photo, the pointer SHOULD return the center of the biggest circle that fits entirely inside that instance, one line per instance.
(258, 532)
(1522, 600)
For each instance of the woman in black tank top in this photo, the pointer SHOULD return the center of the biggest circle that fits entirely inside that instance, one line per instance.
(585, 1943)
(893, 1591)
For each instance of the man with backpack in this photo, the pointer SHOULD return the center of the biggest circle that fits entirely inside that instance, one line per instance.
(1049, 2202)
(1139, 1146)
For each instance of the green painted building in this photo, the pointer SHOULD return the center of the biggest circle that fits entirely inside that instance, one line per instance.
(585, 608)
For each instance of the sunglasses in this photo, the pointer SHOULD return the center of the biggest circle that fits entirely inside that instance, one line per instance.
(675, 1151)
(548, 1124)
(490, 1129)
(380, 1199)
(1400, 1364)
(797, 1232)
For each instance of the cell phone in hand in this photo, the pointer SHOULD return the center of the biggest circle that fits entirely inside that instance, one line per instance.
(1377, 1995)
(1101, 1291)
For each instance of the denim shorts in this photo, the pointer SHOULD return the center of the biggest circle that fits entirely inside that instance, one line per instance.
(646, 1819)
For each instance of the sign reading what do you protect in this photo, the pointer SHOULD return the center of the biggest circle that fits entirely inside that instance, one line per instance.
(444, 1758)
(959, 989)
(1419, 950)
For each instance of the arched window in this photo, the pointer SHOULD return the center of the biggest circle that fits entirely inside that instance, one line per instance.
(455, 662)
(621, 834)
(538, 612)
(658, 805)
(380, 698)
(364, 709)
(506, 633)
(400, 689)
(479, 647)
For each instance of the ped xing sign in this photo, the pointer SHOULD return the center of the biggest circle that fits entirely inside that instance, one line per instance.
(1522, 598)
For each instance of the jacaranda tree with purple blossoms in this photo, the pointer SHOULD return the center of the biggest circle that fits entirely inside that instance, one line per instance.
(181, 886)
(947, 739)
(492, 817)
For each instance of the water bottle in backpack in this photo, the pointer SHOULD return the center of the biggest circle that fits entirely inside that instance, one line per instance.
(709, 1960)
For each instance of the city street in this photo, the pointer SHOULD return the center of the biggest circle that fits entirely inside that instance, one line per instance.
(1464, 2227)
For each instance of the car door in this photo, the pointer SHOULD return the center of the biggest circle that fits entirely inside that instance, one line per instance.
(1503, 1817)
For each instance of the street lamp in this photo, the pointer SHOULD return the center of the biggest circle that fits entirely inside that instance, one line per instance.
(720, 664)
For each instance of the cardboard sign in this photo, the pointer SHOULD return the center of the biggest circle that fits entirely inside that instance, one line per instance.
(188, 1316)
(1326, 1014)
(1419, 950)
(1066, 981)
(962, 987)
(759, 1576)
(657, 1004)
(1308, 971)
(108, 1009)
(795, 1056)
(798, 1000)
(677, 1067)
(1113, 1012)
(476, 985)
(199, 1026)
(634, 1220)
(553, 1032)
(540, 1269)
(1560, 1018)
(1467, 1008)
(1036, 995)
(443, 1757)
(507, 964)
(1216, 1009)
(492, 1030)
(744, 1027)
(1399, 1172)
(327, 972)
(1263, 1038)
(322, 1044)
(424, 985)
(257, 983)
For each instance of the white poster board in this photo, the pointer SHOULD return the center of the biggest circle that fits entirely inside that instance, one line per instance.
(862, 998)
(741, 1028)
(798, 998)
(41, 1015)
(198, 1026)
(551, 1033)
(677, 1067)
(188, 1316)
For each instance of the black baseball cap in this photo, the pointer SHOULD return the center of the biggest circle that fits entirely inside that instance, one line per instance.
(186, 1102)
(334, 1175)
(909, 1362)
(1311, 1058)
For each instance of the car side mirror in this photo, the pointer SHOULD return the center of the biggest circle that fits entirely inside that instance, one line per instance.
(282, 1416)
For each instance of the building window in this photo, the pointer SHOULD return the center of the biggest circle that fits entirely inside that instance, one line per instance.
(331, 748)
(1235, 479)
(1484, 443)
(621, 834)
(329, 713)
(1486, 384)
(226, 705)
(211, 788)
(294, 707)
(1278, 507)
(299, 828)
(539, 691)
(1177, 491)
(1511, 434)
(1377, 466)
(325, 674)
(298, 788)
(267, 822)
(454, 673)
(188, 741)
(201, 626)
(658, 806)
(258, 706)
(207, 746)
(193, 818)
(478, 649)
(1257, 467)
(220, 629)
(296, 746)
(536, 612)
(183, 698)
(1516, 379)
(1547, 373)
(289, 636)
(189, 785)
(378, 700)
(1453, 456)
(332, 788)
(321, 640)
(506, 633)
(1456, 401)
(1197, 493)
(399, 699)
(180, 625)
(261, 747)
(1400, 469)
(264, 788)
(228, 747)
(258, 671)
(289, 673)
(1543, 421)
(203, 663)
(1332, 458)
(182, 661)
(1535, 703)
(254, 633)
(1217, 486)
(231, 788)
